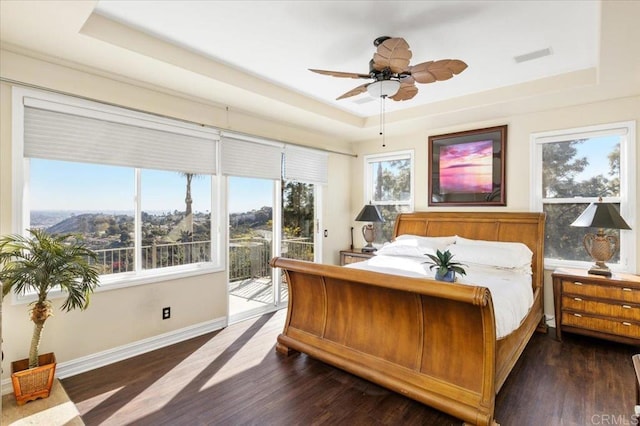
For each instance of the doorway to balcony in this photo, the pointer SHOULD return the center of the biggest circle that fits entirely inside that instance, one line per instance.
(266, 218)
(251, 245)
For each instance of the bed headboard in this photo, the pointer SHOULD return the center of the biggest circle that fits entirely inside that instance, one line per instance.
(527, 228)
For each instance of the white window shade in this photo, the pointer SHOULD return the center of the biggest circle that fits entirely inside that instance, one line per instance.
(250, 159)
(81, 137)
(305, 165)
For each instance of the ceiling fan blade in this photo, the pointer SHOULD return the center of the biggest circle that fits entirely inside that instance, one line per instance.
(406, 79)
(341, 74)
(406, 92)
(355, 91)
(456, 66)
(421, 74)
(444, 69)
(394, 54)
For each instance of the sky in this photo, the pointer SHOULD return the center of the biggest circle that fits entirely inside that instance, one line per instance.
(246, 194)
(597, 151)
(60, 185)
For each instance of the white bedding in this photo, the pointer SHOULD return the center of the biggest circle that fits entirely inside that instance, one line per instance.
(511, 290)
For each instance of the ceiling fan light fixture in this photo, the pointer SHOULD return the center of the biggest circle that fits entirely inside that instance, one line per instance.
(383, 88)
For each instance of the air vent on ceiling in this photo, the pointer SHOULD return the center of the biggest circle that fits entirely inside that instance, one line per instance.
(533, 55)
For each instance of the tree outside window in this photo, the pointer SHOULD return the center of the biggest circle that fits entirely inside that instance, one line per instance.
(574, 169)
(389, 180)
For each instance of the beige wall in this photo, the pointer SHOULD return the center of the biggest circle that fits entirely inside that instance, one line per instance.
(518, 154)
(119, 317)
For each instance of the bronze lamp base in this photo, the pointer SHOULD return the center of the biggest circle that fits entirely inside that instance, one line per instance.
(369, 234)
(601, 247)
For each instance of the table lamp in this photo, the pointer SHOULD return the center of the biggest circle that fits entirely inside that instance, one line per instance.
(601, 247)
(369, 213)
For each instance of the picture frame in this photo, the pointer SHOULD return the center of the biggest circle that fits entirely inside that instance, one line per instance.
(468, 168)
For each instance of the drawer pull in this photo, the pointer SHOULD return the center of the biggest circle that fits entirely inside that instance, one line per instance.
(626, 323)
(626, 289)
(577, 299)
(577, 283)
(626, 307)
(577, 315)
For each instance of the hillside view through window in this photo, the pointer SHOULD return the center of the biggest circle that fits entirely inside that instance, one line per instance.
(97, 204)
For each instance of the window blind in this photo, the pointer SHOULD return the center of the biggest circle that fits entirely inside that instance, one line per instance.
(250, 159)
(559, 137)
(71, 133)
(305, 165)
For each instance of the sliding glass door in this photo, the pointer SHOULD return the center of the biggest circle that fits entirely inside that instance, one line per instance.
(266, 218)
(251, 246)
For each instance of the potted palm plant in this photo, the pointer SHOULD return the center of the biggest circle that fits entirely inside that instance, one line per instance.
(447, 268)
(36, 265)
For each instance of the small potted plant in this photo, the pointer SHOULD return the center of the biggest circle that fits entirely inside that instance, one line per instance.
(37, 265)
(447, 268)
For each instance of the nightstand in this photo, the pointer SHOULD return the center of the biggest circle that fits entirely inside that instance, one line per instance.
(593, 305)
(355, 255)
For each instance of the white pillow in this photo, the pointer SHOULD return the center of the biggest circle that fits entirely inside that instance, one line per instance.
(437, 243)
(404, 251)
(412, 247)
(499, 254)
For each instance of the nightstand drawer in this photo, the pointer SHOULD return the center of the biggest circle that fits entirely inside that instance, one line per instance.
(620, 328)
(614, 310)
(584, 288)
(354, 256)
(347, 259)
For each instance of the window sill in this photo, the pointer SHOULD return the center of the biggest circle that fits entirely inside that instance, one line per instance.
(551, 264)
(125, 280)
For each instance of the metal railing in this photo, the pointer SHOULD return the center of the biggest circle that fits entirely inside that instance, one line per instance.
(248, 257)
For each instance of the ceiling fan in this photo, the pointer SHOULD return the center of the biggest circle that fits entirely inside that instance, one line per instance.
(393, 76)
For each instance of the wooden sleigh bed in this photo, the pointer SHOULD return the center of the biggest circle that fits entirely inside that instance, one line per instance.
(430, 341)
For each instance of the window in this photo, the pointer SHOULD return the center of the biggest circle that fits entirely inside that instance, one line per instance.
(389, 185)
(139, 190)
(574, 168)
(176, 218)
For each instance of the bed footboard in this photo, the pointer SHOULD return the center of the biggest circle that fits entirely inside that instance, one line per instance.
(430, 341)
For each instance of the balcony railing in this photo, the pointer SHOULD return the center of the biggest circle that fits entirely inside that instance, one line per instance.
(248, 257)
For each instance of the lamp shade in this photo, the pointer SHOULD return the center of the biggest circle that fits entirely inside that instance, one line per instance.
(369, 213)
(383, 88)
(601, 215)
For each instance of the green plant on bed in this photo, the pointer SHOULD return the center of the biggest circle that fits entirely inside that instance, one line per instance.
(446, 267)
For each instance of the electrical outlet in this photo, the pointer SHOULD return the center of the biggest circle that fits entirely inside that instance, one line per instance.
(326, 233)
(166, 313)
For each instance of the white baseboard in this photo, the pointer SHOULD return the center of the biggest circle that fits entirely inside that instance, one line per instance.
(100, 359)
(550, 320)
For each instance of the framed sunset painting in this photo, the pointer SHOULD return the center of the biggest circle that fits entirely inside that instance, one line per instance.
(468, 168)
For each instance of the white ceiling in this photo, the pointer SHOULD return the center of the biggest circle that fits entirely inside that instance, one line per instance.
(253, 56)
(279, 40)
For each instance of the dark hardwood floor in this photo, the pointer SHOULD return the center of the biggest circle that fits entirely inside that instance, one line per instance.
(235, 377)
